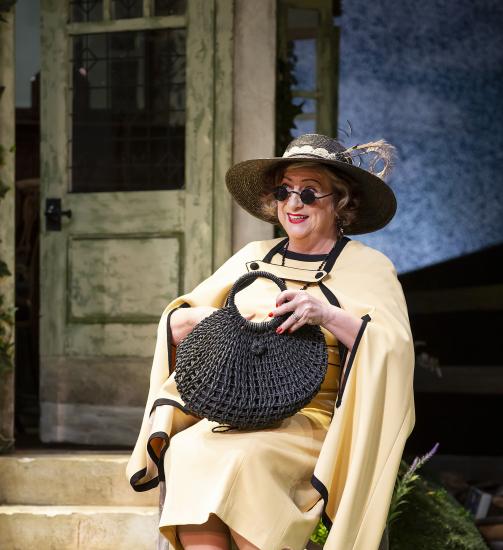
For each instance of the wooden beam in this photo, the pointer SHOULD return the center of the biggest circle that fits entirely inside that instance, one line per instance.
(461, 380)
(473, 298)
(123, 25)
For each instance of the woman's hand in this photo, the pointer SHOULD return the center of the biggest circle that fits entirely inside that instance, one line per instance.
(184, 319)
(308, 310)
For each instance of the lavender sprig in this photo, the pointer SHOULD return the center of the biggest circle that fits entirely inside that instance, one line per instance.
(405, 483)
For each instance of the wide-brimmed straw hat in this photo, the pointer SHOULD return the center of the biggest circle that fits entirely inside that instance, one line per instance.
(247, 180)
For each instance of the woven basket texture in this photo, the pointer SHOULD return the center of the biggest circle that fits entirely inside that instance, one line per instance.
(244, 375)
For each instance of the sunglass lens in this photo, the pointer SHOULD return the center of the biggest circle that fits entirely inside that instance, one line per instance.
(307, 196)
(280, 193)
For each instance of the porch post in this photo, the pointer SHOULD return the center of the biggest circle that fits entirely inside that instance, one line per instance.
(254, 100)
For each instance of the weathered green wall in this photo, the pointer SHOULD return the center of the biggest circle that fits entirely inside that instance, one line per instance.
(7, 139)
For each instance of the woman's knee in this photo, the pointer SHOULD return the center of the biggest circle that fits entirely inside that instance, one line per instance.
(211, 535)
(241, 542)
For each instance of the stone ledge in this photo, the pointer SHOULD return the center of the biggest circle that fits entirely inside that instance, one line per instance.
(69, 478)
(79, 527)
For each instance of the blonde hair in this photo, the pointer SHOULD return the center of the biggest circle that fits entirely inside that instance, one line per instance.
(345, 199)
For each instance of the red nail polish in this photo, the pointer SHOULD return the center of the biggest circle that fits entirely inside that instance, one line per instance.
(271, 314)
(279, 330)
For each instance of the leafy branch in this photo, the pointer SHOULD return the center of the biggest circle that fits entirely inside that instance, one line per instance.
(405, 483)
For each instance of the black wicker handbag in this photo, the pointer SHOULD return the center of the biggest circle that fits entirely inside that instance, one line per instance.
(241, 373)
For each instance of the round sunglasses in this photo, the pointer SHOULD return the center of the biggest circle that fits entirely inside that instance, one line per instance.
(307, 196)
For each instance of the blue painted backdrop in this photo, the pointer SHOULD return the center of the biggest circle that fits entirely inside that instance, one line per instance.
(428, 77)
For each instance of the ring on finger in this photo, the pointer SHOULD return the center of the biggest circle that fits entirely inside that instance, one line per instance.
(295, 316)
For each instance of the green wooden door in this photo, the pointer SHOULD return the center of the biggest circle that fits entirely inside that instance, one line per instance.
(134, 146)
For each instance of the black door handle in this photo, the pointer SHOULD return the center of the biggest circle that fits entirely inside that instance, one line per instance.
(53, 214)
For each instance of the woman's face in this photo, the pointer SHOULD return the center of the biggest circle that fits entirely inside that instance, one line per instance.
(302, 221)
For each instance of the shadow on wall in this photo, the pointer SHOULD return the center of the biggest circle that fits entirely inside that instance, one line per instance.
(428, 77)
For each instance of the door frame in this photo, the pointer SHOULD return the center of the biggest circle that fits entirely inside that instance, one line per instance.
(206, 203)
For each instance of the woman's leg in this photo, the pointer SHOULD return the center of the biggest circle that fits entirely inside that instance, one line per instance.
(212, 535)
(241, 542)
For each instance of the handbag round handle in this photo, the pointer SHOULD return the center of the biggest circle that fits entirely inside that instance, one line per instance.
(246, 280)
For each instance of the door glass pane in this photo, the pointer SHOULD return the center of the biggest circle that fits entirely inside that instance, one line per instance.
(304, 126)
(298, 75)
(125, 9)
(305, 121)
(128, 115)
(170, 7)
(86, 10)
(302, 27)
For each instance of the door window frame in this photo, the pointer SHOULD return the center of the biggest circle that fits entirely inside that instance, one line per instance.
(327, 56)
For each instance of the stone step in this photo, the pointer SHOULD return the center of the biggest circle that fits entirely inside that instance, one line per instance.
(78, 527)
(69, 478)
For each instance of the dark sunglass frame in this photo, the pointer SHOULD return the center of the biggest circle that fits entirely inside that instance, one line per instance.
(307, 196)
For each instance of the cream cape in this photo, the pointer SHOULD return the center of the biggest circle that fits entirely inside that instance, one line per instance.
(359, 459)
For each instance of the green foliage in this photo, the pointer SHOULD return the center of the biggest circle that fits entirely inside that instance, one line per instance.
(404, 484)
(423, 515)
(433, 519)
(320, 534)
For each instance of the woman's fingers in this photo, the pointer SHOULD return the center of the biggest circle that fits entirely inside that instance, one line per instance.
(286, 301)
(294, 322)
(304, 309)
(286, 296)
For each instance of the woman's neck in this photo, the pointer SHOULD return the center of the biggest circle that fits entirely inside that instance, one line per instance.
(311, 246)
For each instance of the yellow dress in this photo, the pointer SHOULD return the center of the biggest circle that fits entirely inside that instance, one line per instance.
(271, 486)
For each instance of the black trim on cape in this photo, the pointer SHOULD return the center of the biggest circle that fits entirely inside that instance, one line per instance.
(274, 250)
(329, 264)
(320, 487)
(332, 299)
(151, 484)
(158, 461)
(365, 319)
(169, 337)
(315, 482)
(172, 402)
(289, 255)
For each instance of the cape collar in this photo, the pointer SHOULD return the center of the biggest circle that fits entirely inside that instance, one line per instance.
(329, 264)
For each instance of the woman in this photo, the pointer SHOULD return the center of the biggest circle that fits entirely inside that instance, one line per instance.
(338, 457)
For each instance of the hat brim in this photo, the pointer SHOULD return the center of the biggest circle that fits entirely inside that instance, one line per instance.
(246, 180)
